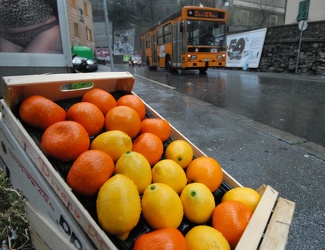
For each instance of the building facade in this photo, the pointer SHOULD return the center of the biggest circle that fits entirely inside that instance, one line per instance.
(253, 14)
(309, 10)
(80, 22)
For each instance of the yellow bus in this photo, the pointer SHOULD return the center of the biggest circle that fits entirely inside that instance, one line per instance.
(192, 38)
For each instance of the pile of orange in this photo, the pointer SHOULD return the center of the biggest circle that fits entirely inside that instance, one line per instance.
(121, 130)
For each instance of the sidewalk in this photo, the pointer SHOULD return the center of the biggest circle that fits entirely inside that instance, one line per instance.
(252, 154)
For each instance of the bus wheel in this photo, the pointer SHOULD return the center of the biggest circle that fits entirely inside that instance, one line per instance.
(203, 70)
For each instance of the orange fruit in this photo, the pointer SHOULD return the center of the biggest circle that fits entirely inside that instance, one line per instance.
(198, 202)
(161, 206)
(161, 239)
(205, 237)
(135, 166)
(90, 171)
(88, 115)
(101, 98)
(40, 112)
(114, 143)
(134, 102)
(150, 146)
(118, 206)
(231, 218)
(65, 140)
(123, 118)
(169, 172)
(206, 170)
(157, 126)
(180, 151)
(246, 195)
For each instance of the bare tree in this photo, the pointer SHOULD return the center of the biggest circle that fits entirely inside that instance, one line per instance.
(265, 9)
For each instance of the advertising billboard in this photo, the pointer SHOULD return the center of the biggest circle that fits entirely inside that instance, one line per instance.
(123, 42)
(245, 49)
(34, 33)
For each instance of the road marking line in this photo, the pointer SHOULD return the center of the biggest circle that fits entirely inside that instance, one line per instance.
(159, 83)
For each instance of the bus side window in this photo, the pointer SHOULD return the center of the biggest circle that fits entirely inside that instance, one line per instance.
(181, 28)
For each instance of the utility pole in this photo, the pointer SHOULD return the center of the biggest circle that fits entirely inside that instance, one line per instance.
(302, 26)
(108, 40)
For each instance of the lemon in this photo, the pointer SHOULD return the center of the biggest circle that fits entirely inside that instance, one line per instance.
(135, 166)
(161, 206)
(205, 238)
(198, 202)
(118, 206)
(114, 143)
(169, 172)
(246, 195)
(180, 151)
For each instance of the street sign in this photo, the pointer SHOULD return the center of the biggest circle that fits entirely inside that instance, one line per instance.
(302, 25)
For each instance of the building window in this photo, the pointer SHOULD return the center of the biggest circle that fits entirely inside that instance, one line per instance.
(244, 17)
(76, 29)
(89, 34)
(73, 3)
(86, 8)
(303, 10)
(273, 20)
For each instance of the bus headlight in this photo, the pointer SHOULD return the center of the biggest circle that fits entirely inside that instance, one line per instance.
(191, 57)
(221, 56)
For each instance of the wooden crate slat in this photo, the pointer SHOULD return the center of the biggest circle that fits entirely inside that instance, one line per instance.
(277, 231)
(256, 226)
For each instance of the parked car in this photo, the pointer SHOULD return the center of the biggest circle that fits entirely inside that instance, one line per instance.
(82, 64)
(135, 60)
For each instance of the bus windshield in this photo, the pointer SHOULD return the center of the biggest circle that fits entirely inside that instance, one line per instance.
(206, 33)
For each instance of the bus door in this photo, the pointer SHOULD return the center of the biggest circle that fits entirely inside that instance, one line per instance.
(177, 45)
(154, 49)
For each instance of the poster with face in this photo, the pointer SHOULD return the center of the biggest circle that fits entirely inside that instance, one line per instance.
(29, 28)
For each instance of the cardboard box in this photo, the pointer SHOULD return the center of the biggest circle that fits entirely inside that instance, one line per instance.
(24, 176)
(17, 88)
(44, 235)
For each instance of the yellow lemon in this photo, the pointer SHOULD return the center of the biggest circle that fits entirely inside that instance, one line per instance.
(205, 238)
(114, 143)
(118, 206)
(135, 166)
(180, 151)
(161, 206)
(198, 202)
(246, 195)
(169, 172)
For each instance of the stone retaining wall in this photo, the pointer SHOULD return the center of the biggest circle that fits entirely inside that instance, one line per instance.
(281, 49)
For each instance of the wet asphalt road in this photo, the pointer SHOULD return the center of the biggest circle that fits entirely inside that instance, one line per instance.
(294, 104)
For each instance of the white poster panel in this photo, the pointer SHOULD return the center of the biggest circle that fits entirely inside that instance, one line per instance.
(124, 42)
(245, 49)
(34, 33)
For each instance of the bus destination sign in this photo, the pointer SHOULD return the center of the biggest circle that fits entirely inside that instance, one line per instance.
(205, 14)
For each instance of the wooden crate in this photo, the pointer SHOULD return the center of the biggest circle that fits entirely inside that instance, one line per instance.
(269, 224)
